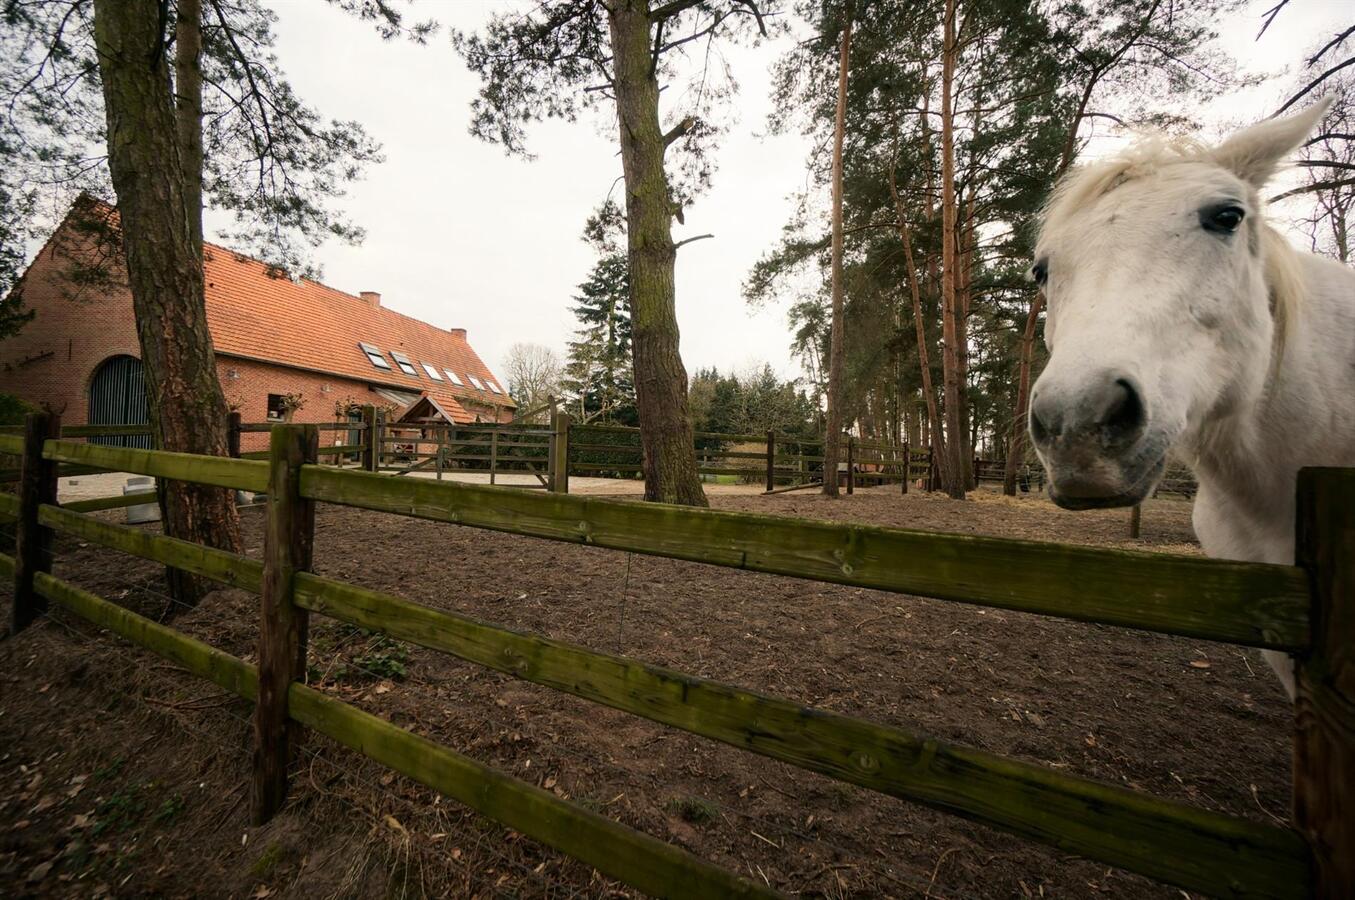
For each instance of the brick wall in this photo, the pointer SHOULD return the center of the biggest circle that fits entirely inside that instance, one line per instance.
(53, 358)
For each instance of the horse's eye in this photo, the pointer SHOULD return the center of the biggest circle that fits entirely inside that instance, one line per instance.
(1222, 219)
(1040, 272)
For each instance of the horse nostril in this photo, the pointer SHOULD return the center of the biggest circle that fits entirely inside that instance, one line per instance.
(1043, 424)
(1124, 416)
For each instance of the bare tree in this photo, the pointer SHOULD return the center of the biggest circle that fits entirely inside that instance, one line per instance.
(534, 373)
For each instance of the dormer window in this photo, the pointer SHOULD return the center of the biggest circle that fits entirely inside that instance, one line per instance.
(404, 363)
(432, 372)
(374, 354)
(452, 377)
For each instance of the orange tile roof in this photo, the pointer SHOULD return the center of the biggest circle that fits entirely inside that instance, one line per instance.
(253, 314)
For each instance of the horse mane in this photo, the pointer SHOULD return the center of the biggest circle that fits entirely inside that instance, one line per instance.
(1084, 184)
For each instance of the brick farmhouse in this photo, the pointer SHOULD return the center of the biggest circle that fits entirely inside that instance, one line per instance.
(278, 342)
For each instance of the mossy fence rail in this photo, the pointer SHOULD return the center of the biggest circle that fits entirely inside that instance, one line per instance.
(1307, 609)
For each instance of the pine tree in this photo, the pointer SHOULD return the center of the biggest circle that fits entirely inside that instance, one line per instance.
(599, 367)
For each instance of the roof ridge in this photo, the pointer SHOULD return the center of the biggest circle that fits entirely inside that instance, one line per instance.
(239, 255)
(329, 287)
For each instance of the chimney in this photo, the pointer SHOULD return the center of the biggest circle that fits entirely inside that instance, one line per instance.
(458, 332)
(372, 297)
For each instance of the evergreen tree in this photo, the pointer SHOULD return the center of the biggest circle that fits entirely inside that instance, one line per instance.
(599, 367)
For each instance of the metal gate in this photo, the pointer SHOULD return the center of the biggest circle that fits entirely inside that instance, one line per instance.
(117, 396)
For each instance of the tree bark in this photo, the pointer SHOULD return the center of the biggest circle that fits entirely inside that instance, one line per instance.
(660, 378)
(964, 278)
(164, 266)
(188, 109)
(953, 477)
(832, 438)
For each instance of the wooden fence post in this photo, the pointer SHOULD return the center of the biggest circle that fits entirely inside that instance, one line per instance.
(233, 434)
(1324, 740)
(771, 460)
(288, 539)
(931, 469)
(493, 454)
(370, 450)
(851, 465)
(1135, 520)
(907, 465)
(33, 542)
(559, 453)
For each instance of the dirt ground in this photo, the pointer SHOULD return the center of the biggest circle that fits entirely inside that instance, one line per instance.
(120, 776)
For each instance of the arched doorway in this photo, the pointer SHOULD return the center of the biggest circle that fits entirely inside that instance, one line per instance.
(117, 396)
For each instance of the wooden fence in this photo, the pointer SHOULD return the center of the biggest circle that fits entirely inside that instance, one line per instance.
(1308, 609)
(552, 453)
(778, 461)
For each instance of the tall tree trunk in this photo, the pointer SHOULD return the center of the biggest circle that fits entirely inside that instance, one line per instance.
(660, 379)
(832, 438)
(188, 109)
(953, 481)
(919, 322)
(1016, 444)
(964, 279)
(164, 266)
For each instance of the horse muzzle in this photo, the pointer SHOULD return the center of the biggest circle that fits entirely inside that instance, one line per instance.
(1095, 442)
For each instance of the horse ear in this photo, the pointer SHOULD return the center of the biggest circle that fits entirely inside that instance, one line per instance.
(1254, 154)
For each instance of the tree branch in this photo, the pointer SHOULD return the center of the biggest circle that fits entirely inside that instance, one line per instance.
(678, 130)
(757, 14)
(1314, 83)
(668, 10)
(1270, 15)
(1325, 164)
(1313, 188)
(1312, 60)
(699, 237)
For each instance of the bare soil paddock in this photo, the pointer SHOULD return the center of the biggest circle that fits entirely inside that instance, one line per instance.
(120, 776)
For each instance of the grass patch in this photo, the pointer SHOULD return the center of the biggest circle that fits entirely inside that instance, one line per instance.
(692, 809)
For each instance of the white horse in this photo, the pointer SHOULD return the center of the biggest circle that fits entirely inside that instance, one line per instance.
(1179, 321)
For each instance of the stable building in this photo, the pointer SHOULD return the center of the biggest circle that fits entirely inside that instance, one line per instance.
(293, 350)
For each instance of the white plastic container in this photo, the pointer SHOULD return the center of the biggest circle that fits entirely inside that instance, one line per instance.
(142, 512)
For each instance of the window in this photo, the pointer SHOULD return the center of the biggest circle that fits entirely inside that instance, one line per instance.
(403, 362)
(432, 372)
(452, 375)
(374, 354)
(493, 387)
(475, 381)
(277, 410)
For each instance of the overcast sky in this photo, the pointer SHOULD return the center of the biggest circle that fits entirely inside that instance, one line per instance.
(464, 236)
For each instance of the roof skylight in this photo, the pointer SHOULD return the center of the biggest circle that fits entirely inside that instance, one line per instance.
(374, 354)
(404, 363)
(452, 375)
(475, 381)
(493, 387)
(432, 372)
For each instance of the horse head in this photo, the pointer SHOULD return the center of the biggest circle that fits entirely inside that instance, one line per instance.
(1168, 296)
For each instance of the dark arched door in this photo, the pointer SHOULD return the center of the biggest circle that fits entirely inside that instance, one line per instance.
(117, 396)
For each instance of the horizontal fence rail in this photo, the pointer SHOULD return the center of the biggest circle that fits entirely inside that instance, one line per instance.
(1111, 824)
(1245, 603)
(638, 859)
(220, 471)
